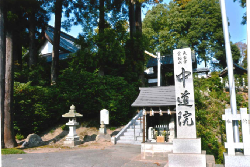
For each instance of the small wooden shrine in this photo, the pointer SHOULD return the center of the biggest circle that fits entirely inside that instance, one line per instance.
(158, 104)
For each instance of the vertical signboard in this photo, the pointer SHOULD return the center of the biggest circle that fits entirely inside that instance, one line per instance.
(104, 116)
(184, 92)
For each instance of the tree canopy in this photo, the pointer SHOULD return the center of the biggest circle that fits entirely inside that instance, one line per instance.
(196, 24)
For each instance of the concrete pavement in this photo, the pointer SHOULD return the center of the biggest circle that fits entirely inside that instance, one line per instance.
(114, 156)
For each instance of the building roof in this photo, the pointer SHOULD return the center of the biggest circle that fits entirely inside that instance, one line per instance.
(66, 41)
(165, 60)
(156, 97)
(62, 56)
(201, 70)
(237, 70)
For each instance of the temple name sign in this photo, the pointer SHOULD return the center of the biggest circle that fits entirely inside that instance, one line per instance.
(184, 91)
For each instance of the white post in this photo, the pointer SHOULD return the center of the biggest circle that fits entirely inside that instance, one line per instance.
(159, 68)
(230, 69)
(245, 130)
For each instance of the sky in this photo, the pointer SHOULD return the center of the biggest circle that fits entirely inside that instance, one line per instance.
(238, 32)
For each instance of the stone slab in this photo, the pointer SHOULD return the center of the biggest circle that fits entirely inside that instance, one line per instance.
(157, 147)
(156, 151)
(187, 146)
(237, 160)
(187, 160)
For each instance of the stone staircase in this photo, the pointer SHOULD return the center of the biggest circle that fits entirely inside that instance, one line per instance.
(132, 132)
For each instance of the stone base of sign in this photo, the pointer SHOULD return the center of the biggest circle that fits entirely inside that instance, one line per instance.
(192, 146)
(102, 130)
(237, 160)
(187, 160)
(156, 151)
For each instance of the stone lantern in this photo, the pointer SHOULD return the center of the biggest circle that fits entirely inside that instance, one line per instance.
(72, 139)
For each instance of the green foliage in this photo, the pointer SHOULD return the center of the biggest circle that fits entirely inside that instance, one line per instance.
(11, 151)
(210, 105)
(35, 108)
(172, 26)
(39, 75)
(91, 93)
(19, 136)
(65, 127)
(112, 128)
(235, 53)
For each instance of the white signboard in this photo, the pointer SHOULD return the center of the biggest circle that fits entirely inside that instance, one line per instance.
(184, 91)
(104, 116)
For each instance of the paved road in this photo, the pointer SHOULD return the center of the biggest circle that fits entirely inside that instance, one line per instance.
(114, 156)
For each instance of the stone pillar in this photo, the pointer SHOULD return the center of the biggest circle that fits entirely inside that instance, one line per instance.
(186, 147)
(102, 129)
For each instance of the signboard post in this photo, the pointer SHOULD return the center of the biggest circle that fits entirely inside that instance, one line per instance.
(184, 91)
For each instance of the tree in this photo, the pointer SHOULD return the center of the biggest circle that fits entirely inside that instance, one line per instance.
(197, 25)
(9, 137)
(2, 68)
(244, 62)
(56, 43)
(235, 53)
(243, 5)
(242, 47)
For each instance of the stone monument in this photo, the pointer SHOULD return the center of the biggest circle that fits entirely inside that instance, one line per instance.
(186, 147)
(104, 120)
(72, 139)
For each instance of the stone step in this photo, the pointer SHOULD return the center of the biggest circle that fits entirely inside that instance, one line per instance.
(127, 137)
(129, 142)
(131, 137)
(139, 138)
(136, 127)
(132, 134)
(132, 130)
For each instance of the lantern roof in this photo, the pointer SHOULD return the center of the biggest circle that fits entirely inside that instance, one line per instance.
(72, 113)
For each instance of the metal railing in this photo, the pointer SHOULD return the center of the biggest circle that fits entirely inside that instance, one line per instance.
(132, 122)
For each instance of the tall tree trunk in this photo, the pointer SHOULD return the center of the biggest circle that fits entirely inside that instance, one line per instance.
(17, 50)
(32, 51)
(101, 35)
(2, 68)
(139, 48)
(9, 138)
(132, 19)
(138, 22)
(101, 17)
(55, 53)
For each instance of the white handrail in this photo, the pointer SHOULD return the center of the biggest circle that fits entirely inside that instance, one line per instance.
(114, 139)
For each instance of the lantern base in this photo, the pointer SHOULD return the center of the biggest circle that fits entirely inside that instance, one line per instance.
(70, 143)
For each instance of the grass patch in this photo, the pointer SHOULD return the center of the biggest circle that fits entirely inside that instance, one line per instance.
(12, 151)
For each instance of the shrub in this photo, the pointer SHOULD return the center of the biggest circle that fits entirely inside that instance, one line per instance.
(91, 93)
(35, 108)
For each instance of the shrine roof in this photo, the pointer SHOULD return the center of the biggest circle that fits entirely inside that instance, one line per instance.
(165, 60)
(237, 70)
(155, 97)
